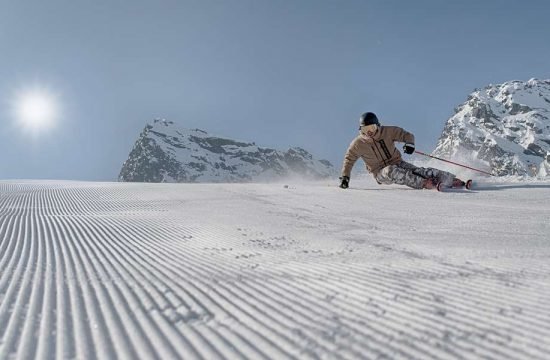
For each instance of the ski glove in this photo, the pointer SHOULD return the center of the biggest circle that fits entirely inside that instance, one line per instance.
(344, 184)
(408, 148)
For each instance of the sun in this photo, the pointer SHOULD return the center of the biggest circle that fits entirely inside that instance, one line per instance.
(36, 110)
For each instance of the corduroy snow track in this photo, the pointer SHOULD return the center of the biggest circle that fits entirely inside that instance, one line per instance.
(266, 271)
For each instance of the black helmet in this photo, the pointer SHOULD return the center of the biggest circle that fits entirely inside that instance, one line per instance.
(368, 118)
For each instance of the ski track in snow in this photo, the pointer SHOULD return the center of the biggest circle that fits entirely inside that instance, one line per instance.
(266, 271)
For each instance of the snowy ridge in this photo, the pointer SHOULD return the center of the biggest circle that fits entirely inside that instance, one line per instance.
(165, 152)
(507, 127)
(124, 270)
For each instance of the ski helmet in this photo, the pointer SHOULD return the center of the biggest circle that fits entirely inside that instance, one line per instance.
(368, 118)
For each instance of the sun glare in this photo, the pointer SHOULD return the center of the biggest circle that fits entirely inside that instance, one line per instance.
(36, 110)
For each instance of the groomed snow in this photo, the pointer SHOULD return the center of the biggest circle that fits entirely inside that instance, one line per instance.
(287, 270)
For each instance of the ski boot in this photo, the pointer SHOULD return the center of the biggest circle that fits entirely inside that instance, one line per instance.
(457, 183)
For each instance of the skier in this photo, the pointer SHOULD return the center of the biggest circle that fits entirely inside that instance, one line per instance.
(375, 144)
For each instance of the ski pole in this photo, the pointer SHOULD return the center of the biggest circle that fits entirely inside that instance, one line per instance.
(467, 167)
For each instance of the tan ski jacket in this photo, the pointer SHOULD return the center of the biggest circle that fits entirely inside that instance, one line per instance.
(377, 151)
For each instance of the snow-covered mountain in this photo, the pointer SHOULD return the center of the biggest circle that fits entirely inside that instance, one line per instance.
(507, 127)
(165, 152)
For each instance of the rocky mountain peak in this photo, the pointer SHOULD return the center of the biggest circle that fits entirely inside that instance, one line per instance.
(165, 152)
(506, 126)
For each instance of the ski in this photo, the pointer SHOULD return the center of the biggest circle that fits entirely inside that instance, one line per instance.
(457, 186)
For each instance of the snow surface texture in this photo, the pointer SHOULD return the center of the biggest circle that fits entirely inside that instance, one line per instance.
(279, 271)
(165, 152)
(504, 128)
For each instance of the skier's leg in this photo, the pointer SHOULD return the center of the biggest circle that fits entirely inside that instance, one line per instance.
(401, 174)
(444, 177)
(440, 176)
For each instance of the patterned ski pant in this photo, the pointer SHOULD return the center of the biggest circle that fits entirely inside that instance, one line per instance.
(404, 173)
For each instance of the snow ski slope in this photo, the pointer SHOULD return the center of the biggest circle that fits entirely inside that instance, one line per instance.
(268, 271)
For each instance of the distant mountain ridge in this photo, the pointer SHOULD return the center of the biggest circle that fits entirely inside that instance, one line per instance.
(165, 152)
(507, 126)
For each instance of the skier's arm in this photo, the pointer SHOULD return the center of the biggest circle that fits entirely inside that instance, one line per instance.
(349, 160)
(401, 135)
(406, 137)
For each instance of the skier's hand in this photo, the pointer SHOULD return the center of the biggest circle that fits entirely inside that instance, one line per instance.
(344, 182)
(408, 148)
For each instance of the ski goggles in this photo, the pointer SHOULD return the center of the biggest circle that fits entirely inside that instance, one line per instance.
(369, 129)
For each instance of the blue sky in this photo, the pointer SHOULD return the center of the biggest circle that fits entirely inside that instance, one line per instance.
(280, 73)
